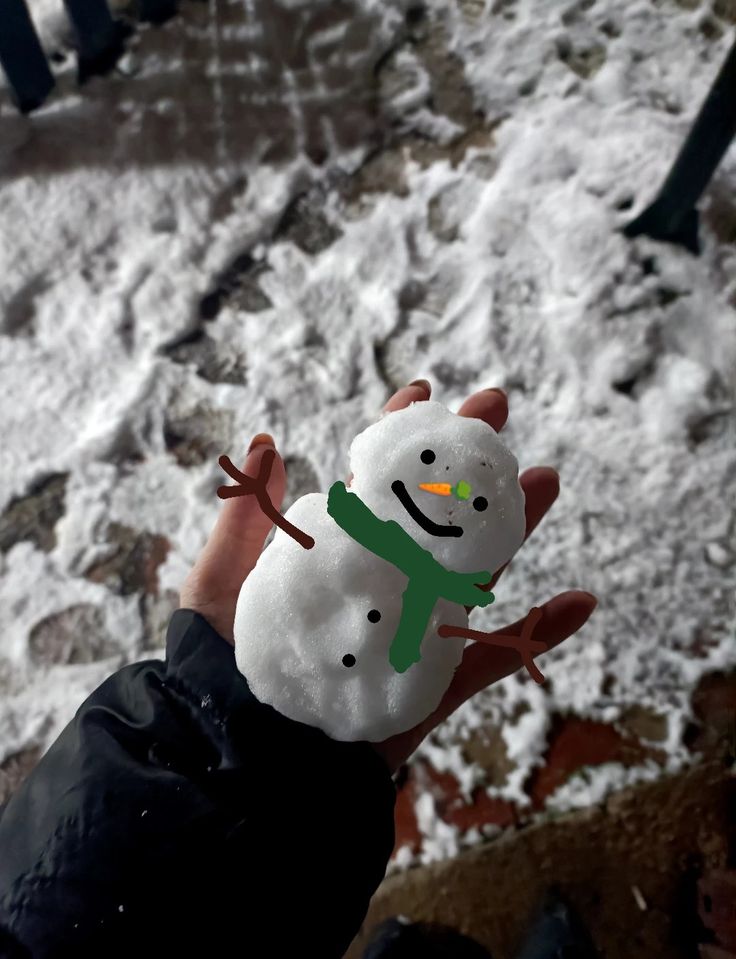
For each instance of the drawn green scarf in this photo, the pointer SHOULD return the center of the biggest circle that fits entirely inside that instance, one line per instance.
(428, 579)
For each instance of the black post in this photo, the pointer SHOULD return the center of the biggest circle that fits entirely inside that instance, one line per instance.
(22, 58)
(100, 38)
(673, 216)
(157, 11)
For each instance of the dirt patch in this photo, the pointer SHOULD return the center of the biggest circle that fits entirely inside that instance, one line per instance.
(34, 516)
(156, 611)
(629, 867)
(210, 361)
(75, 635)
(15, 769)
(133, 561)
(197, 434)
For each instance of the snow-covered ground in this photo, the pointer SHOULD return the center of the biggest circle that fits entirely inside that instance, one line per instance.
(464, 178)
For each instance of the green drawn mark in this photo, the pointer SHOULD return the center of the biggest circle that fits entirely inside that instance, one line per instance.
(462, 490)
(428, 579)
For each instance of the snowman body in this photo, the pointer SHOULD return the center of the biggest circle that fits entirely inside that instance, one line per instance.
(313, 627)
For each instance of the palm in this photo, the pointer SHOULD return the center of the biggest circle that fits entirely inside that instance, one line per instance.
(233, 549)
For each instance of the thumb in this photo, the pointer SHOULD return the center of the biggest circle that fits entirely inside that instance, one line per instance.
(235, 543)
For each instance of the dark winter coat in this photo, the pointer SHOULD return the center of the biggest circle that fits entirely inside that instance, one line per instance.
(178, 816)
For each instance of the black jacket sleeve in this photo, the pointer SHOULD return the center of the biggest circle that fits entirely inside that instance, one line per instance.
(178, 816)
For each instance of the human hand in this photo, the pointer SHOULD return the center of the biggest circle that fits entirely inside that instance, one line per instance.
(558, 619)
(213, 585)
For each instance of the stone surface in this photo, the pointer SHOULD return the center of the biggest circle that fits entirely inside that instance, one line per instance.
(132, 562)
(75, 635)
(656, 839)
(194, 435)
(713, 730)
(726, 9)
(586, 61)
(238, 285)
(305, 223)
(213, 362)
(487, 748)
(482, 812)
(18, 317)
(34, 516)
(644, 724)
(14, 770)
(717, 906)
(301, 478)
(305, 81)
(647, 845)
(575, 744)
(156, 611)
(720, 212)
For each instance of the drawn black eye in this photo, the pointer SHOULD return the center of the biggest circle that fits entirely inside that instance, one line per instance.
(348, 659)
(480, 503)
(427, 457)
(374, 616)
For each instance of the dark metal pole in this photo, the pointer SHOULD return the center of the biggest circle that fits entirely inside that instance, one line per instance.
(22, 58)
(157, 11)
(673, 216)
(100, 37)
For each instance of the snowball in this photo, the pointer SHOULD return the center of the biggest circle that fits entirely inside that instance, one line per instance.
(313, 627)
(426, 443)
(307, 645)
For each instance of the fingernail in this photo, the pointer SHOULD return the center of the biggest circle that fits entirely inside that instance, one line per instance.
(495, 389)
(591, 597)
(425, 385)
(261, 439)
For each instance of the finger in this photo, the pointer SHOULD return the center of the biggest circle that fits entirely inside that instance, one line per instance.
(491, 406)
(415, 392)
(483, 665)
(541, 485)
(236, 542)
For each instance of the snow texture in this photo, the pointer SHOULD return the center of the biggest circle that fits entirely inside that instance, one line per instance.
(163, 298)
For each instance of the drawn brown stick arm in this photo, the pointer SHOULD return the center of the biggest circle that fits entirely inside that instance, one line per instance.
(256, 486)
(523, 644)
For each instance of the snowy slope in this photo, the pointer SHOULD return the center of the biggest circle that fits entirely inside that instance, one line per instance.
(479, 247)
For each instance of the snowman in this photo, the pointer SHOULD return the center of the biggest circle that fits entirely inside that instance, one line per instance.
(353, 620)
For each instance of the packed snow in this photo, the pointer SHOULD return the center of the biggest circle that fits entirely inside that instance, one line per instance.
(315, 625)
(470, 175)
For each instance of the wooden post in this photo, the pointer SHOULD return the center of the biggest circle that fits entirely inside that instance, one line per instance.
(673, 216)
(22, 57)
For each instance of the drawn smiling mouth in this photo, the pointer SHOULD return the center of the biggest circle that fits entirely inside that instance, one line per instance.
(428, 525)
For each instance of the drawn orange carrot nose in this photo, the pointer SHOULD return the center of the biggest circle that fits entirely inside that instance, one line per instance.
(462, 490)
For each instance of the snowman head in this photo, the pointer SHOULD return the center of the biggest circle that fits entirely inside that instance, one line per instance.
(447, 480)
